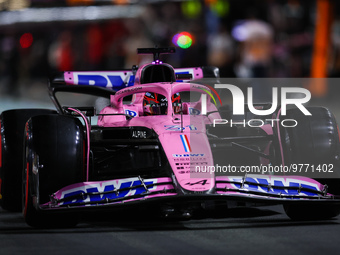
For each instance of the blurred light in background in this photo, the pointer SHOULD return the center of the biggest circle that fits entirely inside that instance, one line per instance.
(121, 1)
(78, 13)
(26, 40)
(191, 9)
(219, 7)
(183, 40)
(248, 29)
(17, 4)
(79, 2)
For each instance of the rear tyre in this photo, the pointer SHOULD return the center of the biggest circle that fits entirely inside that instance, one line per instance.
(54, 159)
(12, 126)
(314, 141)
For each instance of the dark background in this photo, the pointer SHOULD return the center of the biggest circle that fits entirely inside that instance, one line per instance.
(50, 35)
(245, 39)
(40, 37)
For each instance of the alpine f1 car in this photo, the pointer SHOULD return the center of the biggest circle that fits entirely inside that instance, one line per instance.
(156, 144)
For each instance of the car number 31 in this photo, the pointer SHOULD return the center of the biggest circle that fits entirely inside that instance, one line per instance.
(178, 128)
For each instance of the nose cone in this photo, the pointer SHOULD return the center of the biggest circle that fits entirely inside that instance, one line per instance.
(191, 160)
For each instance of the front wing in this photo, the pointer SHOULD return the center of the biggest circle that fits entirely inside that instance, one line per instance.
(256, 189)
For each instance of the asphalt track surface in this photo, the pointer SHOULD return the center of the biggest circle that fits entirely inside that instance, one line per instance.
(261, 230)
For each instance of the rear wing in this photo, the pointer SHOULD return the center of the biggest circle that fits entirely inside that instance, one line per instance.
(116, 80)
(106, 83)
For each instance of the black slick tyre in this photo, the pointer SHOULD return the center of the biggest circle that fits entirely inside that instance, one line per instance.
(54, 147)
(12, 126)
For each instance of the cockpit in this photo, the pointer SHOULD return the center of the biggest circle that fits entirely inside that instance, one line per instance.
(157, 104)
(153, 103)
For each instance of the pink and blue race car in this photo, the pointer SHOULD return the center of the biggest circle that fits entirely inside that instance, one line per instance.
(159, 142)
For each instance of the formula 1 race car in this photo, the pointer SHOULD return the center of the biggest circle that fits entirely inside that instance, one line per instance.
(159, 142)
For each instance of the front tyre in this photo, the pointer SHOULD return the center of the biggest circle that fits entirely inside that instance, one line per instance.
(54, 147)
(12, 126)
(34, 217)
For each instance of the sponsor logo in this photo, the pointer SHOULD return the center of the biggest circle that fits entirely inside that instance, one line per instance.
(103, 80)
(186, 171)
(188, 155)
(202, 182)
(94, 192)
(193, 111)
(138, 134)
(277, 186)
(131, 113)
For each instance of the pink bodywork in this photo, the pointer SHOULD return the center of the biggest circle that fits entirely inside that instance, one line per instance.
(184, 148)
(183, 138)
